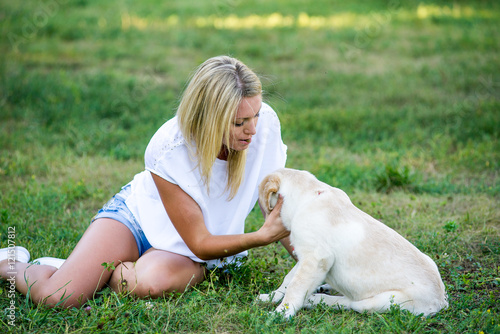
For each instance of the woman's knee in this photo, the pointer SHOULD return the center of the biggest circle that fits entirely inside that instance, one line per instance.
(156, 281)
(153, 277)
(38, 284)
(141, 282)
(124, 277)
(59, 297)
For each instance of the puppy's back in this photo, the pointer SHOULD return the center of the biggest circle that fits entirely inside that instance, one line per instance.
(383, 251)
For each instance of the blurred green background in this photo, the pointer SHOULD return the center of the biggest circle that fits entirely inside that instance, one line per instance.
(358, 86)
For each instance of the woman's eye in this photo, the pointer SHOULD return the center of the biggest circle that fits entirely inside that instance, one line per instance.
(243, 122)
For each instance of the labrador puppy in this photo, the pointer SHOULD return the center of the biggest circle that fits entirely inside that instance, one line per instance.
(368, 263)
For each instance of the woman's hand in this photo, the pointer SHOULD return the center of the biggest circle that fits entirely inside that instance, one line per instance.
(273, 229)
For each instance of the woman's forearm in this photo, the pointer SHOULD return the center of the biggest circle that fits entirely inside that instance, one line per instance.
(219, 246)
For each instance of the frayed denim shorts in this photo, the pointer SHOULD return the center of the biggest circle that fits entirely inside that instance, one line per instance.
(117, 209)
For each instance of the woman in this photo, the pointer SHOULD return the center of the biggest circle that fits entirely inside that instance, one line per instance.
(186, 211)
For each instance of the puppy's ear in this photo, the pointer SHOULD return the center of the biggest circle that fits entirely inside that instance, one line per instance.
(273, 199)
(270, 191)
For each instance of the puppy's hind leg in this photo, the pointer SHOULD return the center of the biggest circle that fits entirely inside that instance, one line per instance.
(382, 302)
(325, 288)
(309, 274)
(334, 301)
(378, 303)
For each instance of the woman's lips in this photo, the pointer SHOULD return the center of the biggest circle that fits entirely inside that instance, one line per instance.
(246, 141)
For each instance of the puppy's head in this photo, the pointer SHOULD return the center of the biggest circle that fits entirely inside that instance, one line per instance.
(268, 191)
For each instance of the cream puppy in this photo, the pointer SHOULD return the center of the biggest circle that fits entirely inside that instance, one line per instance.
(368, 263)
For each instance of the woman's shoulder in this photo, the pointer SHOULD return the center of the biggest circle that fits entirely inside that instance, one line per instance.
(167, 139)
(267, 109)
(269, 116)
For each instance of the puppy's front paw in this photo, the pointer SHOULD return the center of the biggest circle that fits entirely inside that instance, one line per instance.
(274, 297)
(313, 300)
(264, 297)
(286, 310)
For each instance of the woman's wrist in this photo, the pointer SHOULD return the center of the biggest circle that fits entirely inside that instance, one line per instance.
(256, 239)
(263, 237)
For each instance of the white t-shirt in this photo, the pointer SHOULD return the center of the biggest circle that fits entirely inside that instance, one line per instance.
(167, 156)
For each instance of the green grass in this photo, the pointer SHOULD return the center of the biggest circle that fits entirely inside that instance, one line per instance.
(397, 103)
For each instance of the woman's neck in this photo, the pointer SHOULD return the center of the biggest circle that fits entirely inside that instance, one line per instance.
(223, 154)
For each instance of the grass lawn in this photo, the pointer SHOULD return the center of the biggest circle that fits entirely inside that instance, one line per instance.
(395, 102)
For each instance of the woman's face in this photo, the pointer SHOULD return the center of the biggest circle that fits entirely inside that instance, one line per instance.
(245, 123)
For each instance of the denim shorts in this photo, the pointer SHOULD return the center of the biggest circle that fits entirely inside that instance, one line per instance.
(117, 209)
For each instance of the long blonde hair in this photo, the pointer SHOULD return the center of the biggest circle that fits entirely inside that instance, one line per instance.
(207, 111)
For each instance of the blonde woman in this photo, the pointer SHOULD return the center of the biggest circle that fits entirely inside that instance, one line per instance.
(185, 212)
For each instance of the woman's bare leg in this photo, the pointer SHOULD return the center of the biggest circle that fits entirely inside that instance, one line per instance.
(82, 274)
(157, 272)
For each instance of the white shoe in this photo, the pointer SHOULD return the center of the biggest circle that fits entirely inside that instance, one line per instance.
(50, 261)
(19, 253)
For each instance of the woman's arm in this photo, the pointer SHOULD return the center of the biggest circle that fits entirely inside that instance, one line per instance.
(187, 218)
(288, 246)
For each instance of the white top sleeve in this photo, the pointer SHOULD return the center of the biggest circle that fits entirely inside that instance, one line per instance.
(167, 156)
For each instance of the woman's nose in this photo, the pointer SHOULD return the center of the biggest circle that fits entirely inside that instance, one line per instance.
(251, 127)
